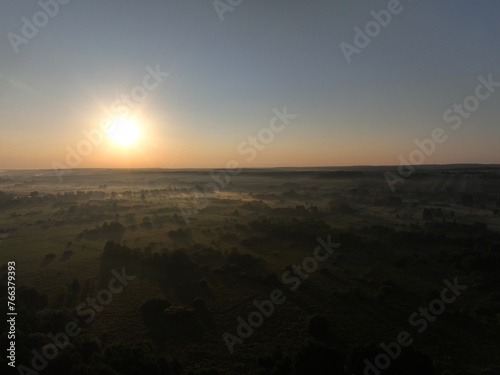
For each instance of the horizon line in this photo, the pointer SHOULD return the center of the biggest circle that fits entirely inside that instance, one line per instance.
(254, 168)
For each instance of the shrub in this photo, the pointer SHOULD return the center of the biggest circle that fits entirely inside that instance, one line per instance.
(199, 304)
(317, 326)
(154, 306)
(318, 359)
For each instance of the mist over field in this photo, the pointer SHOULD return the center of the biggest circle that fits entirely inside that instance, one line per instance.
(312, 265)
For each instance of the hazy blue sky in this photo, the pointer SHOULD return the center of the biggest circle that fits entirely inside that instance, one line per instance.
(227, 77)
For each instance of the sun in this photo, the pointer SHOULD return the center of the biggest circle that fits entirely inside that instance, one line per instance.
(124, 132)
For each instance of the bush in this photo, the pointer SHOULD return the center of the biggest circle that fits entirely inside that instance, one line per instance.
(317, 326)
(199, 304)
(410, 362)
(181, 322)
(206, 372)
(318, 359)
(154, 306)
(87, 345)
(50, 257)
(33, 300)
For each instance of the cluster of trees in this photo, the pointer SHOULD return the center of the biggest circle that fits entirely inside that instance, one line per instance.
(297, 211)
(181, 235)
(108, 232)
(340, 206)
(242, 260)
(7, 231)
(431, 213)
(173, 322)
(87, 355)
(116, 256)
(317, 357)
(479, 256)
(295, 230)
(171, 261)
(8, 201)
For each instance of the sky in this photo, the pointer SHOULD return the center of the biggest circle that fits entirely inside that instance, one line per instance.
(222, 73)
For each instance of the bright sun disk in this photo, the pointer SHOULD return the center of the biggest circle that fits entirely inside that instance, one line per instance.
(124, 132)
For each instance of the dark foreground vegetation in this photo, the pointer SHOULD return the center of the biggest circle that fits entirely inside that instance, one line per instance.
(146, 291)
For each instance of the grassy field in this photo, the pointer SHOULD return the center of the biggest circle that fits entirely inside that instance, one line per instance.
(392, 259)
